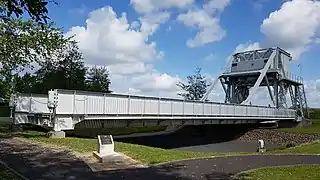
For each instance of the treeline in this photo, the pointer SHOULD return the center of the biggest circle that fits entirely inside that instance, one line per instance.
(68, 72)
(35, 42)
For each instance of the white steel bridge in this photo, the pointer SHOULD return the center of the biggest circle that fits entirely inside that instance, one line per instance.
(88, 109)
(247, 72)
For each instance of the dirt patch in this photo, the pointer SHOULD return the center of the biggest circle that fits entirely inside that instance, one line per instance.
(278, 137)
(88, 158)
(95, 165)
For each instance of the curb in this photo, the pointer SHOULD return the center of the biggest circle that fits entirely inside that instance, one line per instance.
(13, 171)
(227, 156)
(280, 166)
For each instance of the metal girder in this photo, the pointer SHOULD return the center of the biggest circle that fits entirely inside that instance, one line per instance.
(206, 95)
(262, 67)
(263, 73)
(269, 89)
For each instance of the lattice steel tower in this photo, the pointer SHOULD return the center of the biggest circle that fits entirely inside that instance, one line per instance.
(268, 68)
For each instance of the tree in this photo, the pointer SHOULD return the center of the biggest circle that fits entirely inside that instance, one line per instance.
(25, 83)
(67, 71)
(98, 79)
(196, 86)
(23, 43)
(36, 9)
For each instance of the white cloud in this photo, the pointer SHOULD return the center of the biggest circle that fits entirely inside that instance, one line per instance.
(216, 5)
(206, 20)
(151, 22)
(156, 81)
(146, 6)
(294, 26)
(125, 50)
(312, 89)
(247, 47)
(109, 40)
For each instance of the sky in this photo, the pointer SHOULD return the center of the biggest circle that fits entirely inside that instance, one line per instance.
(150, 45)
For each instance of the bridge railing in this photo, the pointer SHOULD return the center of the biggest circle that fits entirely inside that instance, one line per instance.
(85, 103)
(293, 77)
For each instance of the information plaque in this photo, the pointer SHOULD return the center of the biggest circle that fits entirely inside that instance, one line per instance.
(105, 150)
(105, 144)
(105, 139)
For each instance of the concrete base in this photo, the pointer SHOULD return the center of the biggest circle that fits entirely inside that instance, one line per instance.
(17, 127)
(293, 124)
(56, 134)
(261, 150)
(114, 157)
(305, 123)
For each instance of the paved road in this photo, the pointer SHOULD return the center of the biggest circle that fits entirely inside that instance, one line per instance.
(41, 163)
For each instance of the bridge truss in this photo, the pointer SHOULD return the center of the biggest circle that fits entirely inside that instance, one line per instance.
(268, 68)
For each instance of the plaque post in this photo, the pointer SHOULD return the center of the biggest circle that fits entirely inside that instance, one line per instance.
(105, 149)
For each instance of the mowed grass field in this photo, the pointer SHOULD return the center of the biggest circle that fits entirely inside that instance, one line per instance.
(315, 128)
(300, 172)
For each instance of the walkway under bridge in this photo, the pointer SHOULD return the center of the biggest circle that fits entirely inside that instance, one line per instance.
(73, 109)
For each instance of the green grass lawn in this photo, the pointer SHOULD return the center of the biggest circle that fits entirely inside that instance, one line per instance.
(149, 155)
(309, 148)
(6, 174)
(144, 154)
(315, 128)
(301, 172)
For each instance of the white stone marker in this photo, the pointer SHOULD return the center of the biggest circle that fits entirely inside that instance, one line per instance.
(261, 147)
(105, 150)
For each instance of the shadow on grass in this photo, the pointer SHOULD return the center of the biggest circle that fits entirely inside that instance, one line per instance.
(28, 135)
(191, 136)
(94, 132)
(41, 163)
(242, 176)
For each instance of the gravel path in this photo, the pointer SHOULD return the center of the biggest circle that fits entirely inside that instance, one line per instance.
(42, 163)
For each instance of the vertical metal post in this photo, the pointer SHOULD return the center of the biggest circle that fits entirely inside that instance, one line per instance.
(193, 108)
(144, 107)
(128, 110)
(104, 103)
(202, 108)
(74, 102)
(183, 104)
(276, 92)
(30, 108)
(171, 107)
(246, 110)
(233, 95)
(159, 106)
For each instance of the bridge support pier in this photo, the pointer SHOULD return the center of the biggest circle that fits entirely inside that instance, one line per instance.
(291, 124)
(305, 123)
(56, 134)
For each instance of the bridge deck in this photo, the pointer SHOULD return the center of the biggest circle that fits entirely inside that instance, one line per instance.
(76, 106)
